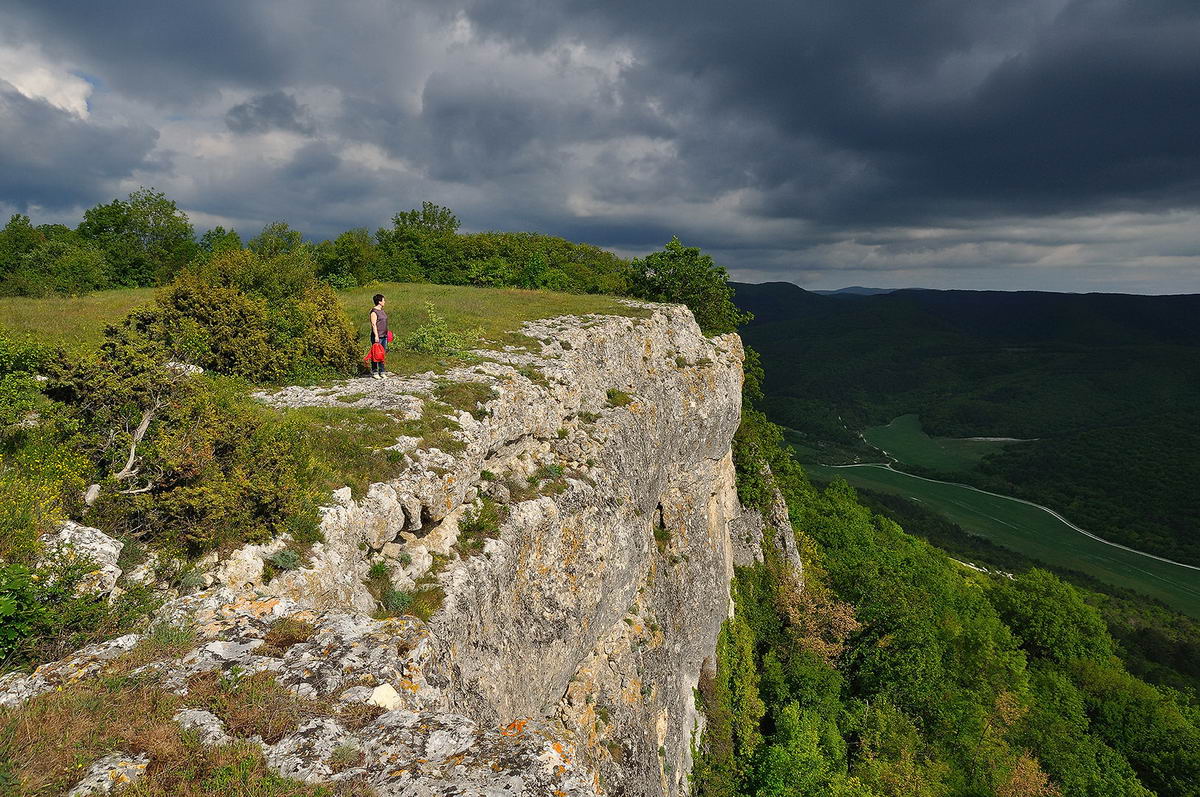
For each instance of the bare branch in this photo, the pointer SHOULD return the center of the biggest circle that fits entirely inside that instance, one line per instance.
(129, 471)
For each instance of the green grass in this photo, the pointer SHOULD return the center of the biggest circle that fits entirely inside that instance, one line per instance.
(350, 443)
(466, 396)
(497, 312)
(1033, 532)
(78, 322)
(906, 441)
(618, 398)
(74, 322)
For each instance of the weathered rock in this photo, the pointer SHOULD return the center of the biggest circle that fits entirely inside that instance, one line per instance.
(16, 688)
(84, 542)
(110, 774)
(206, 725)
(572, 632)
(540, 624)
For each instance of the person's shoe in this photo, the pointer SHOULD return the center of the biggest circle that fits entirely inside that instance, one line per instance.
(377, 375)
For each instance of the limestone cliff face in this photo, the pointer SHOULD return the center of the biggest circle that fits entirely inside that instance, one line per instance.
(597, 606)
(577, 632)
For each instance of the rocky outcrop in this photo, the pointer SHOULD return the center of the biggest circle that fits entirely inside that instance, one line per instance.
(86, 544)
(577, 517)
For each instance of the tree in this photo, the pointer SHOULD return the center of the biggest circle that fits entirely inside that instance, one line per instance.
(681, 274)
(58, 267)
(350, 259)
(146, 240)
(17, 239)
(218, 240)
(1050, 618)
(276, 238)
(430, 218)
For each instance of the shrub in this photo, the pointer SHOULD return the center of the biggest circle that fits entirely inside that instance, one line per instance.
(618, 398)
(266, 319)
(478, 525)
(396, 601)
(212, 466)
(57, 267)
(435, 336)
(42, 618)
(287, 559)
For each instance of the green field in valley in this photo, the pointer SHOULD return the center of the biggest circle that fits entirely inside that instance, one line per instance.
(906, 441)
(1032, 531)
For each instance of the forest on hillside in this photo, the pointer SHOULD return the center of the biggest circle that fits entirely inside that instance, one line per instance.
(146, 240)
(1105, 388)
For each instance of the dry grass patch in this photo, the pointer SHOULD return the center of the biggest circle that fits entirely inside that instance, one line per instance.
(253, 705)
(48, 744)
(283, 634)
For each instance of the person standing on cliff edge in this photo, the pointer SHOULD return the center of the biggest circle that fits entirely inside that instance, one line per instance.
(379, 332)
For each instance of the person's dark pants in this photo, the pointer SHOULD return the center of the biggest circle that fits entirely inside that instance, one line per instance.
(378, 366)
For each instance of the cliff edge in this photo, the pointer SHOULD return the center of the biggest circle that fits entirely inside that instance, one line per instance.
(567, 520)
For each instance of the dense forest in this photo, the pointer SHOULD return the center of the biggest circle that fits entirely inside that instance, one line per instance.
(887, 668)
(1105, 388)
(146, 240)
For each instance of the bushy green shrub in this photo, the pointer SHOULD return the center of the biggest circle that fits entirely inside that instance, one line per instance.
(42, 617)
(266, 319)
(436, 337)
(216, 468)
(57, 267)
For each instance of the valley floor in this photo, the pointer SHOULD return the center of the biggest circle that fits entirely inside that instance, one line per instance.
(1032, 530)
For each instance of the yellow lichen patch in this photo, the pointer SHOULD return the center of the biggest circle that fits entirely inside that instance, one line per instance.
(632, 692)
(558, 748)
(514, 728)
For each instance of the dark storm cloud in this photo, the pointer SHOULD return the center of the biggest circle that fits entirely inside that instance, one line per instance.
(973, 107)
(54, 159)
(162, 51)
(788, 137)
(276, 110)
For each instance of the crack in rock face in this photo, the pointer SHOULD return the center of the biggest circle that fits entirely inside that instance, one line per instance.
(574, 552)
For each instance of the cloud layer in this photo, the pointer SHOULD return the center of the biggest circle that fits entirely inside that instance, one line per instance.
(982, 143)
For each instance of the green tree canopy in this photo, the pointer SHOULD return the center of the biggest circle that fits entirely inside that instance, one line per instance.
(276, 238)
(146, 240)
(218, 240)
(1050, 618)
(683, 275)
(431, 218)
(17, 239)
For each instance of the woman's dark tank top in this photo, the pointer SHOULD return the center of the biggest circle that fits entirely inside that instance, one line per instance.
(380, 321)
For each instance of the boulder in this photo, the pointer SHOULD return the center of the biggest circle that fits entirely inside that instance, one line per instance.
(74, 541)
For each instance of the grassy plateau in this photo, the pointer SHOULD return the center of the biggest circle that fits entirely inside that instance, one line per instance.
(495, 313)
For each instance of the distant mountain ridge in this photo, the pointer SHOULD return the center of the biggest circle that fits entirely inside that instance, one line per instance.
(1114, 318)
(857, 290)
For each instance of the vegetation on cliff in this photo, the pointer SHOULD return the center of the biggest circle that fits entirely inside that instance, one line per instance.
(909, 674)
(181, 463)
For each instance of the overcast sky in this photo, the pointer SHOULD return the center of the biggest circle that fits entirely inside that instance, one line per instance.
(1011, 144)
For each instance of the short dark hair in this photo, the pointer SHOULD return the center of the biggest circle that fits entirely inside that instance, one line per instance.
(378, 298)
